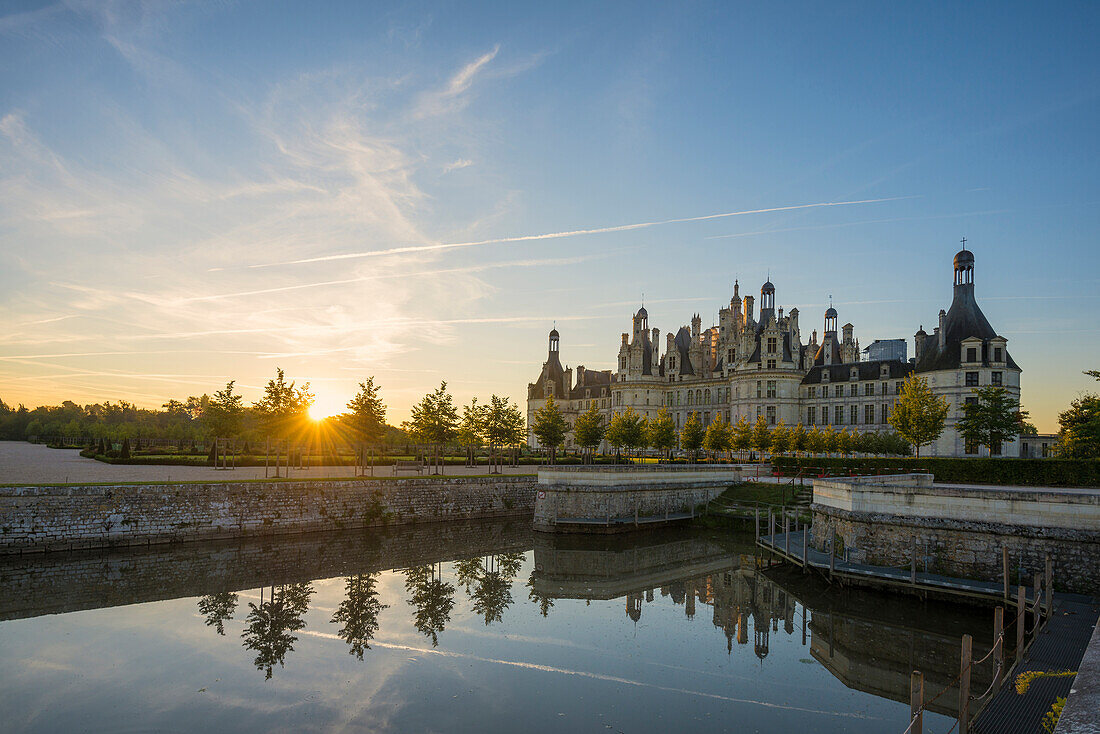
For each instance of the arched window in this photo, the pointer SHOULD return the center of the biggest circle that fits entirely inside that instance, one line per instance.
(706, 396)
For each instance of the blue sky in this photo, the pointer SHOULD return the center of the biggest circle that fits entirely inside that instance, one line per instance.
(178, 179)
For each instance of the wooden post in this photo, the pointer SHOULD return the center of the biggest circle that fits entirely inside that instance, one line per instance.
(998, 645)
(1004, 568)
(964, 684)
(832, 559)
(1049, 586)
(805, 556)
(1021, 618)
(913, 563)
(1037, 609)
(916, 703)
(758, 523)
(771, 527)
(786, 535)
(267, 455)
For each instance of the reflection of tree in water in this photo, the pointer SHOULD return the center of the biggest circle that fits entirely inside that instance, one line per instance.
(432, 598)
(544, 601)
(467, 572)
(359, 613)
(271, 622)
(217, 608)
(492, 592)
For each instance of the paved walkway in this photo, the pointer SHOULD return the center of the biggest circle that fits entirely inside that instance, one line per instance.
(25, 463)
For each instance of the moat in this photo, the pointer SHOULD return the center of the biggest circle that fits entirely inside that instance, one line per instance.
(481, 626)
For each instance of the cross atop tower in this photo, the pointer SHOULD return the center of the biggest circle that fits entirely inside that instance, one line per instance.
(964, 243)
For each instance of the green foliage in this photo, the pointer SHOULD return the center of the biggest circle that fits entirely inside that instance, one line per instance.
(283, 409)
(970, 470)
(798, 439)
(718, 437)
(124, 452)
(843, 441)
(223, 413)
(589, 429)
(741, 437)
(918, 414)
(472, 425)
(550, 425)
(761, 435)
(1079, 437)
(691, 435)
(627, 430)
(366, 416)
(781, 438)
(434, 420)
(992, 419)
(504, 424)
(662, 432)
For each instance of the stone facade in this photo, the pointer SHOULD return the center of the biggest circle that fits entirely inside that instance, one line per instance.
(42, 518)
(750, 365)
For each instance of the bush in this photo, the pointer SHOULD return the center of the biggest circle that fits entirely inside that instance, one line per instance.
(1025, 472)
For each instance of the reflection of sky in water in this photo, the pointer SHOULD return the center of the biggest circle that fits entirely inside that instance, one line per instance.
(590, 667)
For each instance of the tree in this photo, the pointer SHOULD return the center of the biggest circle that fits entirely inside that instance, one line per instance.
(283, 407)
(471, 429)
(217, 608)
(433, 599)
(358, 613)
(691, 435)
(741, 438)
(1079, 435)
(434, 420)
(662, 432)
(550, 427)
(815, 440)
(781, 438)
(366, 416)
(222, 414)
(991, 419)
(626, 430)
(918, 414)
(761, 436)
(588, 430)
(828, 440)
(718, 436)
(797, 439)
(844, 441)
(502, 423)
(271, 623)
(869, 443)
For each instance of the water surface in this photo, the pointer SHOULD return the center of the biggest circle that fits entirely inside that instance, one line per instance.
(462, 627)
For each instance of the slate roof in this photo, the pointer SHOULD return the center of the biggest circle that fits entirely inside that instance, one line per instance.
(683, 345)
(867, 371)
(964, 320)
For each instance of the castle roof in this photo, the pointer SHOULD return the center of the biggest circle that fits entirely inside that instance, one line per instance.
(963, 320)
(871, 370)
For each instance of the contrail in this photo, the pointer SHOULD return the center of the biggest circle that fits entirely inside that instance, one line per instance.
(571, 233)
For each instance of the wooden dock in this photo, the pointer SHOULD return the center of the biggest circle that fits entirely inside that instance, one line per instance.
(1059, 627)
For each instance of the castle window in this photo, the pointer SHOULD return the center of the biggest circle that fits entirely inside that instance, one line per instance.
(824, 415)
(772, 344)
(869, 388)
(811, 416)
(771, 415)
(868, 414)
(729, 356)
(885, 413)
(855, 415)
(699, 396)
(771, 388)
(853, 390)
(970, 447)
(727, 416)
(998, 355)
(995, 449)
(813, 392)
(758, 387)
(884, 387)
(689, 397)
(897, 386)
(995, 378)
(971, 379)
(838, 391)
(838, 415)
(971, 354)
(727, 394)
(706, 396)
(771, 364)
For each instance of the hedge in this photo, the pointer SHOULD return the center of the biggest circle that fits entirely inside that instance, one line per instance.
(1025, 472)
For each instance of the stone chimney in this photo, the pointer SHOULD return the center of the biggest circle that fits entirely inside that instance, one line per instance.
(748, 307)
(940, 331)
(918, 339)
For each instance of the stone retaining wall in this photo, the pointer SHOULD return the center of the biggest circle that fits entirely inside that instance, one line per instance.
(960, 531)
(47, 518)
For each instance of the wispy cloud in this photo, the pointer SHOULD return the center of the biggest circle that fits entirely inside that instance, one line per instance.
(457, 164)
(570, 233)
(450, 97)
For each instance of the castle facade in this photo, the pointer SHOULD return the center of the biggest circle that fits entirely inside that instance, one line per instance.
(755, 364)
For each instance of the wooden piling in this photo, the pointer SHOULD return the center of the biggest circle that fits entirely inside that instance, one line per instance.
(1049, 586)
(916, 702)
(1021, 618)
(913, 563)
(1036, 608)
(998, 645)
(1004, 568)
(805, 551)
(786, 535)
(964, 684)
(832, 559)
(757, 523)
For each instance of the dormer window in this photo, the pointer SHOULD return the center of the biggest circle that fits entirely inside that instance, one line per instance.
(971, 354)
(772, 344)
(853, 374)
(998, 354)
(884, 371)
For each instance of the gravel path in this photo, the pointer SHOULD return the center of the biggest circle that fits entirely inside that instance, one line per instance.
(27, 463)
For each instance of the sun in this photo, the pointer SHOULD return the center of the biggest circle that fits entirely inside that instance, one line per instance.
(325, 408)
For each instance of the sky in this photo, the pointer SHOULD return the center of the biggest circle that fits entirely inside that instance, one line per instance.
(192, 193)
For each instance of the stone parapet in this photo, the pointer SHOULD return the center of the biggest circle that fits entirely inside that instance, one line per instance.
(45, 518)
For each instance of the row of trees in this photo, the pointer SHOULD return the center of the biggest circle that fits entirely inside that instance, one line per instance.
(435, 422)
(630, 431)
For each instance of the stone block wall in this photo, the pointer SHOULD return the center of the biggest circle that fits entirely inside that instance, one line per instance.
(968, 549)
(559, 502)
(45, 518)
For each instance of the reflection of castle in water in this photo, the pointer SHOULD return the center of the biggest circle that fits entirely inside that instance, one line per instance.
(690, 571)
